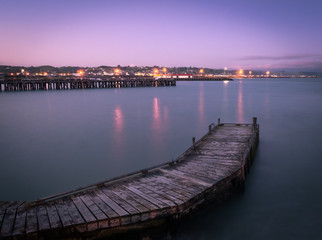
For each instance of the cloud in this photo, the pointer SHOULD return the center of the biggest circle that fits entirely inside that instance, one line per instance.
(297, 62)
(285, 57)
(298, 65)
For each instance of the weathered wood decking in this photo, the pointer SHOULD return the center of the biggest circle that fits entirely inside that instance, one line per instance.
(207, 171)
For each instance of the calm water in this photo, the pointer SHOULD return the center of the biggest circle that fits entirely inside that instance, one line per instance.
(52, 141)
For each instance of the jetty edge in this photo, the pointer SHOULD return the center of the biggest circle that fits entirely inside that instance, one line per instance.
(207, 172)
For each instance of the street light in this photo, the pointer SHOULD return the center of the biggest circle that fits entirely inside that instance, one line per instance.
(80, 72)
(117, 71)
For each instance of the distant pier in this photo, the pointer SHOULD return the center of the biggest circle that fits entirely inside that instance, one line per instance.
(24, 83)
(207, 172)
(60, 83)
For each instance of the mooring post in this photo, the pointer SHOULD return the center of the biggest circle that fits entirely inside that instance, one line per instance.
(218, 121)
(209, 127)
(193, 141)
(254, 121)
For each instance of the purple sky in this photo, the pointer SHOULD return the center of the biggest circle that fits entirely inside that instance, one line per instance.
(257, 34)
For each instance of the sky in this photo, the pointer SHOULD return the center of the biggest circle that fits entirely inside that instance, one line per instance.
(237, 34)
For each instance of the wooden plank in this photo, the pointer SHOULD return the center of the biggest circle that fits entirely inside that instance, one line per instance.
(43, 221)
(6, 205)
(158, 193)
(217, 168)
(124, 204)
(183, 183)
(163, 185)
(63, 213)
(8, 222)
(16, 204)
(209, 171)
(53, 216)
(177, 187)
(20, 222)
(125, 217)
(73, 212)
(112, 218)
(83, 209)
(198, 173)
(2, 213)
(183, 175)
(152, 200)
(101, 205)
(137, 202)
(218, 160)
(119, 210)
(171, 190)
(96, 211)
(223, 146)
(142, 201)
(31, 221)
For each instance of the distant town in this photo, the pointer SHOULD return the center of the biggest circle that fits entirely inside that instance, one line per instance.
(154, 71)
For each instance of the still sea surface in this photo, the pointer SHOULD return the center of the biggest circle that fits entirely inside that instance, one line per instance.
(54, 141)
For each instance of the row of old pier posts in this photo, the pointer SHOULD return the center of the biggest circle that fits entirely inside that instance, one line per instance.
(28, 85)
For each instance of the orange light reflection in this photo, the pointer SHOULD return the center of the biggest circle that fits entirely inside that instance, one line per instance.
(118, 119)
(156, 114)
(240, 106)
(201, 105)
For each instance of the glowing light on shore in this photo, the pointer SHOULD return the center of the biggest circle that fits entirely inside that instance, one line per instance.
(267, 72)
(201, 71)
(241, 71)
(164, 70)
(117, 71)
(155, 71)
(45, 74)
(80, 72)
(250, 72)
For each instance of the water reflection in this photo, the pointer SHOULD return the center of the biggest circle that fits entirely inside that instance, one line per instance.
(240, 106)
(156, 114)
(201, 106)
(267, 103)
(225, 99)
(160, 116)
(118, 125)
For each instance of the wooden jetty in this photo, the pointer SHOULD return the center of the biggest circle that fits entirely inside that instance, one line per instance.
(28, 83)
(58, 83)
(207, 172)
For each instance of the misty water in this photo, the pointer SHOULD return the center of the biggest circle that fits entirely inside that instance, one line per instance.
(54, 141)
